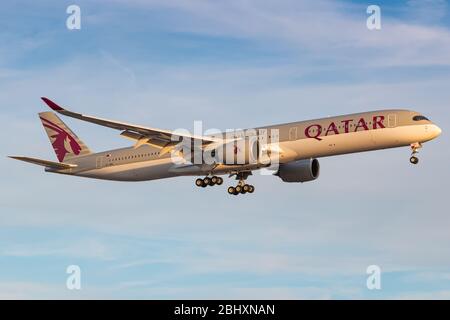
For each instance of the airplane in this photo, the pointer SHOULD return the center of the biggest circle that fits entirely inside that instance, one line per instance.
(292, 149)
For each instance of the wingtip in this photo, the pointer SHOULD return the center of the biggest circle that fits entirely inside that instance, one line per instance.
(51, 104)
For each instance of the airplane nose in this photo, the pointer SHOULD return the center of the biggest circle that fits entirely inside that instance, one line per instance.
(436, 131)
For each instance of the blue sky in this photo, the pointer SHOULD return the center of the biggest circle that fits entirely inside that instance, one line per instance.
(231, 64)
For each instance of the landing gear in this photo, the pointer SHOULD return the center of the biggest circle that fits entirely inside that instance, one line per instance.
(216, 180)
(414, 160)
(232, 190)
(414, 148)
(242, 187)
(207, 181)
(199, 182)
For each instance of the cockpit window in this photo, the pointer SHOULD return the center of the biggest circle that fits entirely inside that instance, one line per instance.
(418, 118)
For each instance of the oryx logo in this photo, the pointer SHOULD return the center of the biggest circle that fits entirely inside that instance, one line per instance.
(63, 143)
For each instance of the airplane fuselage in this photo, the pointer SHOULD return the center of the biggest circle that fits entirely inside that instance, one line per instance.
(296, 141)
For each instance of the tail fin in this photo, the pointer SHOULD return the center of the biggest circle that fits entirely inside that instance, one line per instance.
(65, 143)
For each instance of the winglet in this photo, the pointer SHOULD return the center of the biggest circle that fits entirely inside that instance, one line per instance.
(51, 104)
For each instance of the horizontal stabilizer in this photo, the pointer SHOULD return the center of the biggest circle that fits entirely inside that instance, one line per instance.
(46, 163)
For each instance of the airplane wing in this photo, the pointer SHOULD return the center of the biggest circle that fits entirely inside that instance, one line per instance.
(45, 163)
(156, 137)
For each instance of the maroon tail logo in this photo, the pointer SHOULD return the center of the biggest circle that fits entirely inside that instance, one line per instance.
(62, 141)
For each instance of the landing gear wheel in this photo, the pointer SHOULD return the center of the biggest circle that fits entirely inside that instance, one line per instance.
(206, 182)
(231, 190)
(199, 182)
(214, 180)
(238, 189)
(414, 147)
(251, 189)
(219, 181)
(246, 188)
(414, 160)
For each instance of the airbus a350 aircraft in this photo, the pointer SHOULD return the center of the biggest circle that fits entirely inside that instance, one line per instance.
(296, 147)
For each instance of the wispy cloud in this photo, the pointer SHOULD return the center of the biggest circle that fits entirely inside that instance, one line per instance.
(162, 239)
(318, 30)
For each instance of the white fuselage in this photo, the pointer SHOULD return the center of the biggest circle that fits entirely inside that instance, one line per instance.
(145, 162)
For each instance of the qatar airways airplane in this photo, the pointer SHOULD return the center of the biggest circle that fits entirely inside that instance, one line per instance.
(291, 148)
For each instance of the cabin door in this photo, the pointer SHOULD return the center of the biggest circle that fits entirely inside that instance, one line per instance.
(293, 133)
(392, 120)
(99, 162)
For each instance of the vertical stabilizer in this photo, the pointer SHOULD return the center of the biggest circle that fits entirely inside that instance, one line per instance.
(65, 143)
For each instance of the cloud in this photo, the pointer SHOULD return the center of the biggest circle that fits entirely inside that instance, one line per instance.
(418, 295)
(78, 248)
(339, 34)
(427, 11)
(26, 290)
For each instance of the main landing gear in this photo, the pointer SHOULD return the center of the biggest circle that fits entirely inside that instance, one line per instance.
(207, 181)
(242, 187)
(414, 148)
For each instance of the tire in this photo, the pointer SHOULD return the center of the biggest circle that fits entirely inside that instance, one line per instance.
(414, 160)
(219, 181)
(231, 190)
(252, 189)
(199, 182)
(246, 188)
(207, 181)
(238, 189)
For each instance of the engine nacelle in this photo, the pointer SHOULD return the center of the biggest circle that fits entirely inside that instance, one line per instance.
(299, 171)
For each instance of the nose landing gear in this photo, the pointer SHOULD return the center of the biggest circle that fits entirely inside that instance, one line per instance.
(414, 147)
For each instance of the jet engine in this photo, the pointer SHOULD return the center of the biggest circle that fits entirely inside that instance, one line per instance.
(299, 171)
